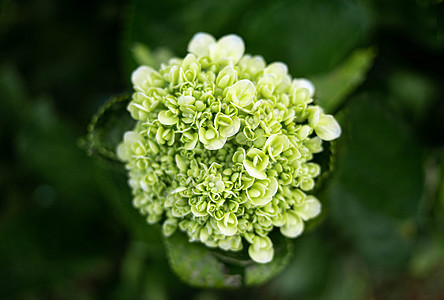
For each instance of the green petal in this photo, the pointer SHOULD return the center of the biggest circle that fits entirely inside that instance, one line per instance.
(280, 70)
(200, 44)
(254, 193)
(181, 163)
(252, 171)
(140, 76)
(242, 93)
(251, 66)
(310, 208)
(186, 100)
(294, 226)
(314, 113)
(192, 143)
(231, 130)
(202, 133)
(166, 117)
(226, 77)
(169, 227)
(261, 251)
(267, 188)
(228, 224)
(304, 84)
(198, 212)
(230, 47)
(216, 144)
(123, 152)
(272, 187)
(328, 128)
(314, 145)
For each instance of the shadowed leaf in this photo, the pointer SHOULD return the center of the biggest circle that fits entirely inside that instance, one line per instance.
(334, 87)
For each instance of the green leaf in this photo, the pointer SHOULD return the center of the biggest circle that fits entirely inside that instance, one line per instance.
(308, 269)
(46, 159)
(196, 265)
(13, 94)
(428, 257)
(413, 94)
(375, 193)
(334, 87)
(260, 273)
(107, 127)
(313, 36)
(201, 266)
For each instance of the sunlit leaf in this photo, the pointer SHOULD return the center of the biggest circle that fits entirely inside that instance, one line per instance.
(334, 87)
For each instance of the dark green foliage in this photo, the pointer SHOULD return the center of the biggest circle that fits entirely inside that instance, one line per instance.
(67, 226)
(199, 266)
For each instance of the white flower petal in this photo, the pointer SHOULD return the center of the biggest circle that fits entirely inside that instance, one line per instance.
(261, 251)
(327, 128)
(123, 152)
(262, 256)
(241, 93)
(310, 208)
(131, 137)
(305, 83)
(294, 226)
(140, 75)
(277, 68)
(200, 44)
(228, 47)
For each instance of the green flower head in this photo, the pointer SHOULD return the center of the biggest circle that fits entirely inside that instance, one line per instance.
(223, 147)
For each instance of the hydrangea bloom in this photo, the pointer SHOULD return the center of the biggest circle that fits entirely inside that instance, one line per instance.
(223, 146)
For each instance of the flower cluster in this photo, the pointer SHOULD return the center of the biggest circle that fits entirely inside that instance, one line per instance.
(223, 147)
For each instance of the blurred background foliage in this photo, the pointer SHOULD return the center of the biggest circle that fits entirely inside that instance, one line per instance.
(67, 228)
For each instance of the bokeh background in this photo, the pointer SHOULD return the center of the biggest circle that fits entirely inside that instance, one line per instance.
(67, 228)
